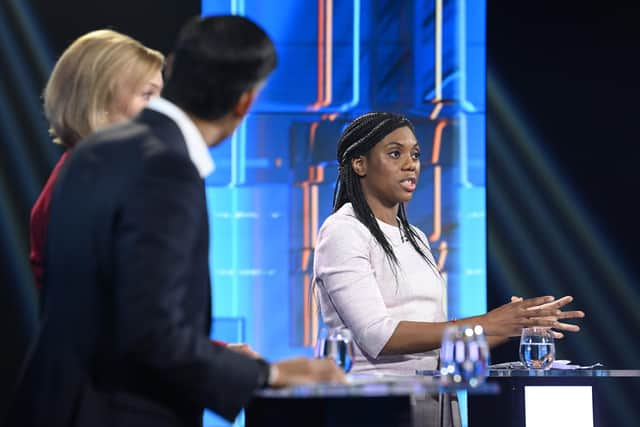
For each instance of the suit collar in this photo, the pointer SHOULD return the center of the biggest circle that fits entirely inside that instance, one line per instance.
(196, 146)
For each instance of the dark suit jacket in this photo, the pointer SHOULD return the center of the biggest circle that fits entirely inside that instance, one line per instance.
(126, 314)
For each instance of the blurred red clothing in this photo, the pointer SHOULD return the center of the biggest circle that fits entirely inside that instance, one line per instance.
(39, 222)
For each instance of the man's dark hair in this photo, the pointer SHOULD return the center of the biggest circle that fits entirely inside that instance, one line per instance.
(215, 60)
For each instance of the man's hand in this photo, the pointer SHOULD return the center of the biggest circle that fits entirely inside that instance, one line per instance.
(244, 349)
(306, 371)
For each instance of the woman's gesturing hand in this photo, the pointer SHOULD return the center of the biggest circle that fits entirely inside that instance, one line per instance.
(509, 319)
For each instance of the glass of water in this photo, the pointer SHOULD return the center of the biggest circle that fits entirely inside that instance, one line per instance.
(537, 349)
(336, 344)
(464, 355)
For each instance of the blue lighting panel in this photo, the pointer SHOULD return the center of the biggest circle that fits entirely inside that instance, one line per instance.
(274, 178)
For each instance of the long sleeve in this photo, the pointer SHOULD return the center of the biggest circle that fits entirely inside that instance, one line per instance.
(155, 301)
(345, 275)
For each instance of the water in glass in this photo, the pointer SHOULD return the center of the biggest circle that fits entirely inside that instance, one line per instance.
(537, 349)
(336, 344)
(464, 355)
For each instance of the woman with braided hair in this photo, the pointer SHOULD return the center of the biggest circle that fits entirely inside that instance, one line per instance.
(374, 272)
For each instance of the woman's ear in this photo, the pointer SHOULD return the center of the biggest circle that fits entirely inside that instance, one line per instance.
(359, 165)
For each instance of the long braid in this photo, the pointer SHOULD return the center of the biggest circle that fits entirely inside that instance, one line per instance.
(413, 237)
(357, 139)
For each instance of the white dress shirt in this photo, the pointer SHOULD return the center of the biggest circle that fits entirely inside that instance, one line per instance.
(196, 145)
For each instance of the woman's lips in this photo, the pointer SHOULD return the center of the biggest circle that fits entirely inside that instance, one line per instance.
(409, 184)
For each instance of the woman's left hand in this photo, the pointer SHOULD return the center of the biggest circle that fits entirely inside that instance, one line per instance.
(576, 314)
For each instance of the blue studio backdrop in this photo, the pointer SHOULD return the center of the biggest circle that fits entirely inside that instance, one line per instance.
(274, 179)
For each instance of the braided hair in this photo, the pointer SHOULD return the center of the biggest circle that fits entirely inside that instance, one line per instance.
(359, 137)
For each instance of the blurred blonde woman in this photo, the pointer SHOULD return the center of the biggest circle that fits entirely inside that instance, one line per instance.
(102, 78)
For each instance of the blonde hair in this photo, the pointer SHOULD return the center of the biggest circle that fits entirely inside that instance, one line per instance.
(84, 82)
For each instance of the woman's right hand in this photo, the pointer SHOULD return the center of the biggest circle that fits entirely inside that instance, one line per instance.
(509, 319)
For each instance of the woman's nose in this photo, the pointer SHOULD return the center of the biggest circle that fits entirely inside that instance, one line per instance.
(410, 163)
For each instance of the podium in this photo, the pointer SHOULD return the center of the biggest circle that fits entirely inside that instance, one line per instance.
(529, 398)
(380, 401)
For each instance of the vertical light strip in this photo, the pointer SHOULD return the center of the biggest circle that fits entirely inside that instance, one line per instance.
(437, 141)
(356, 55)
(238, 7)
(313, 304)
(238, 141)
(437, 205)
(321, 54)
(310, 220)
(324, 95)
(306, 330)
(436, 111)
(314, 213)
(437, 182)
(233, 178)
(461, 44)
(438, 61)
(313, 128)
(328, 64)
(242, 152)
(314, 321)
(442, 259)
(235, 309)
(320, 57)
(306, 238)
(438, 51)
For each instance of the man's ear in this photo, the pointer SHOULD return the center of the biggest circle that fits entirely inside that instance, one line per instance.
(245, 101)
(359, 165)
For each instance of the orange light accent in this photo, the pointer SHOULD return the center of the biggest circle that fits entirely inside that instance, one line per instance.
(437, 204)
(438, 54)
(305, 308)
(319, 175)
(314, 321)
(330, 117)
(306, 253)
(325, 55)
(444, 249)
(314, 215)
(436, 110)
(437, 141)
(320, 88)
(328, 77)
(312, 134)
(310, 202)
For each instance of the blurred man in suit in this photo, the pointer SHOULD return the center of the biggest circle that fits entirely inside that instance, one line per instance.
(124, 339)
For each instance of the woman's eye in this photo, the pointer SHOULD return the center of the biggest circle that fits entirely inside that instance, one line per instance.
(394, 154)
(415, 155)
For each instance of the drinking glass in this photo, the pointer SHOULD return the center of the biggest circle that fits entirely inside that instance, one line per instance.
(336, 344)
(464, 355)
(537, 349)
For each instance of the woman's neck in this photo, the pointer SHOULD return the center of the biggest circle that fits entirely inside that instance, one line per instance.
(386, 214)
